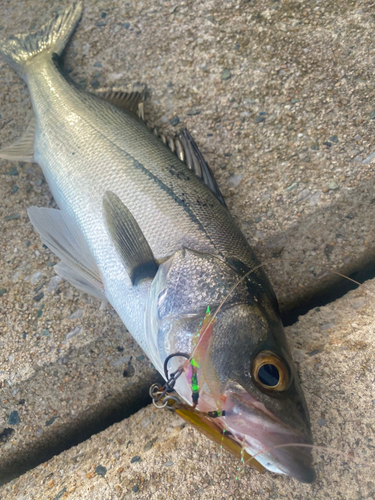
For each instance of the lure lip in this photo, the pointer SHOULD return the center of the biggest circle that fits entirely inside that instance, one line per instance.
(212, 429)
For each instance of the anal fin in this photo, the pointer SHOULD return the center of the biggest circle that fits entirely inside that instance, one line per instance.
(128, 239)
(62, 235)
(23, 149)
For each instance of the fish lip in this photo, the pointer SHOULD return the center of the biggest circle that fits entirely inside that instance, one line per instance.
(296, 462)
(268, 435)
(306, 475)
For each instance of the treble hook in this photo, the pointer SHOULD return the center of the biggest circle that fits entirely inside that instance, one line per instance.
(157, 393)
(173, 376)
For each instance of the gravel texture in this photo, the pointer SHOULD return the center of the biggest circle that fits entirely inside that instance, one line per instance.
(153, 454)
(279, 96)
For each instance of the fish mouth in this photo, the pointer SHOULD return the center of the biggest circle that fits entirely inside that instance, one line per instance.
(272, 443)
(277, 446)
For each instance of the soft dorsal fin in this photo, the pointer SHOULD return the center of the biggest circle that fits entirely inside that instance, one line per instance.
(62, 235)
(131, 101)
(128, 239)
(184, 146)
(23, 149)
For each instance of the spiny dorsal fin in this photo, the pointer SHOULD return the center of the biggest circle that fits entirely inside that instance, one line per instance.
(185, 148)
(131, 101)
(23, 149)
(183, 145)
(128, 239)
(62, 235)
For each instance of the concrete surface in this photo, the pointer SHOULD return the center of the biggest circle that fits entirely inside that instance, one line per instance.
(218, 67)
(153, 454)
(66, 401)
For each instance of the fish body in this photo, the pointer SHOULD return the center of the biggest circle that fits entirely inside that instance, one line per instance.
(137, 226)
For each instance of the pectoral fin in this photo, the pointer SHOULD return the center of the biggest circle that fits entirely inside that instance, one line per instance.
(23, 149)
(128, 239)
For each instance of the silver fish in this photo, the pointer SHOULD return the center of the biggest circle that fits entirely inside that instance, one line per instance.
(139, 227)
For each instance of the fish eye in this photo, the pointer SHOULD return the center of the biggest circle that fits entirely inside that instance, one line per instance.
(270, 371)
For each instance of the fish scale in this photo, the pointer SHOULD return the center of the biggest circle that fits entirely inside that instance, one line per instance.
(145, 174)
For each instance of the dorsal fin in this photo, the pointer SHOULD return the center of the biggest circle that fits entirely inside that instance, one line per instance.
(128, 239)
(185, 148)
(198, 164)
(183, 145)
(131, 101)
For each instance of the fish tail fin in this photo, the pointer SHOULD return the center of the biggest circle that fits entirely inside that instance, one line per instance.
(19, 50)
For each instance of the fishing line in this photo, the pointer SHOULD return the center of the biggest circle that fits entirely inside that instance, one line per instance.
(250, 272)
(212, 319)
(349, 455)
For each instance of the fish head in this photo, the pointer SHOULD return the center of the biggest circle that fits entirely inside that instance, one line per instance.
(253, 381)
(239, 364)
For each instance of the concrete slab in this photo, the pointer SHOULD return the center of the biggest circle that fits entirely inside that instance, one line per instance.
(68, 400)
(153, 454)
(277, 94)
